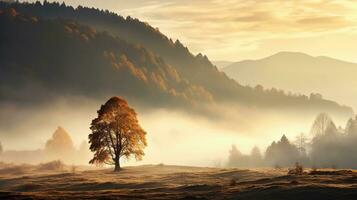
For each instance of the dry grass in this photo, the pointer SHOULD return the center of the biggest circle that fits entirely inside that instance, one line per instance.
(178, 182)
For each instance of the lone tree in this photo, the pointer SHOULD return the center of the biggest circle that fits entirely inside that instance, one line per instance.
(115, 133)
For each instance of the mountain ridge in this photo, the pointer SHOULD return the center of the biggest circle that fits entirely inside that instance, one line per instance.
(298, 72)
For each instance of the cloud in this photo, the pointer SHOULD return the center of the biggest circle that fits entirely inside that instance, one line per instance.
(239, 29)
(255, 17)
(215, 26)
(324, 23)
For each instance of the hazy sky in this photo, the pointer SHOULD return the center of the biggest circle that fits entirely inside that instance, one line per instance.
(247, 29)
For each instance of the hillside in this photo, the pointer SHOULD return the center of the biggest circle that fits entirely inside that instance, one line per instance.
(43, 59)
(302, 73)
(62, 50)
(196, 69)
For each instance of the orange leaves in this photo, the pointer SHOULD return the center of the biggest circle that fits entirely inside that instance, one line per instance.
(158, 80)
(163, 78)
(12, 12)
(84, 33)
(123, 63)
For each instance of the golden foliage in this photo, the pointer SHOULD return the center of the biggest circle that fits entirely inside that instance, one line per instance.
(163, 77)
(115, 133)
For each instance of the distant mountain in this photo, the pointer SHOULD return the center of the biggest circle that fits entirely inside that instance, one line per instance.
(221, 63)
(52, 49)
(302, 73)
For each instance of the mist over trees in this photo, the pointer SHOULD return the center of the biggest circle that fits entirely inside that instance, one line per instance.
(337, 148)
(327, 147)
(59, 147)
(52, 50)
(281, 153)
(60, 144)
(237, 159)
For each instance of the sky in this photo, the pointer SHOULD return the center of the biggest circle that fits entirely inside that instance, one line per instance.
(235, 30)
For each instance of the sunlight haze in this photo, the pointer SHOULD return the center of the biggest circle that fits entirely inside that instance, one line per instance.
(235, 30)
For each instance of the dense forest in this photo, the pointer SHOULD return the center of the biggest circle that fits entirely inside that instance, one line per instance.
(50, 48)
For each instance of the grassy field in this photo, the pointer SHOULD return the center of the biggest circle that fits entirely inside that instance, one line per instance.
(173, 182)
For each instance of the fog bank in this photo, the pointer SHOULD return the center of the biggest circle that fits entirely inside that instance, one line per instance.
(174, 136)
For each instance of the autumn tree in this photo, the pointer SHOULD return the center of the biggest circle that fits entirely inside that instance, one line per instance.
(116, 133)
(60, 146)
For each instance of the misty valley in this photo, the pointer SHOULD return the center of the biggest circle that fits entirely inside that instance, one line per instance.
(95, 105)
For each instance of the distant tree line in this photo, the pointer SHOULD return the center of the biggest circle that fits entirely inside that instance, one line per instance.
(327, 147)
(59, 147)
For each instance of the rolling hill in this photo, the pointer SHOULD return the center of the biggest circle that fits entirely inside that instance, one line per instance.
(301, 73)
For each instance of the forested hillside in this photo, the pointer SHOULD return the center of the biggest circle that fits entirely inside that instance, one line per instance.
(48, 45)
(40, 59)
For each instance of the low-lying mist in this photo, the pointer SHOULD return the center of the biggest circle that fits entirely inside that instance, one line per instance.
(174, 136)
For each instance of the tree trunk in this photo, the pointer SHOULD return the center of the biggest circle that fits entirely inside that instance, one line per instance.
(117, 165)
